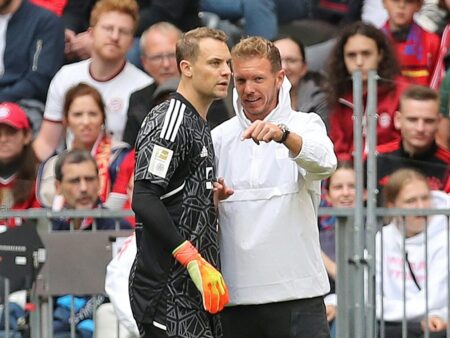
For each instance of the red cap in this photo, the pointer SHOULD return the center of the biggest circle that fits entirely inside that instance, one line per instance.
(14, 116)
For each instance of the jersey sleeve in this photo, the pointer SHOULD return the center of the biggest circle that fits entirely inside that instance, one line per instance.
(162, 144)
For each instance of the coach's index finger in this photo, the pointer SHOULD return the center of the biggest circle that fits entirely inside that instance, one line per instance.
(247, 134)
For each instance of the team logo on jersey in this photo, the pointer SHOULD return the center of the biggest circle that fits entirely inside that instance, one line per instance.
(160, 161)
(384, 120)
(204, 152)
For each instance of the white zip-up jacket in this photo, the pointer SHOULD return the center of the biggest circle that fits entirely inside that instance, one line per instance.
(393, 263)
(269, 237)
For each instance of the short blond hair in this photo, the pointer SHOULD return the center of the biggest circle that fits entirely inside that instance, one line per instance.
(129, 7)
(187, 45)
(259, 47)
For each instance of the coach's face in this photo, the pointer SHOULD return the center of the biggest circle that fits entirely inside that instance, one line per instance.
(257, 85)
(210, 71)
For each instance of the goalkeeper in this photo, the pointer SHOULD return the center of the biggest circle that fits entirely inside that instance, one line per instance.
(176, 289)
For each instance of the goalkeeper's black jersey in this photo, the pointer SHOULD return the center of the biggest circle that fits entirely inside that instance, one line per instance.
(174, 151)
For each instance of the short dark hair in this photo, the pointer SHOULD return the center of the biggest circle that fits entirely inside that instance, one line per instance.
(73, 156)
(419, 93)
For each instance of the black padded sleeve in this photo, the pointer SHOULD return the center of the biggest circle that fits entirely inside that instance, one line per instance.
(153, 214)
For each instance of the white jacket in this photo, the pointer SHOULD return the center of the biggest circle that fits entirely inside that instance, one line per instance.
(268, 228)
(393, 269)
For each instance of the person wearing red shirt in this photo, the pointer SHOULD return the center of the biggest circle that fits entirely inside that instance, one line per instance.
(18, 163)
(417, 49)
(362, 47)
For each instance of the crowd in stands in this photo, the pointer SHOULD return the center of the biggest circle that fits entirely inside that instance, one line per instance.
(78, 78)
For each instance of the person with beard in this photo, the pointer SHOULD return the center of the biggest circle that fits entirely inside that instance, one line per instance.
(18, 163)
(113, 23)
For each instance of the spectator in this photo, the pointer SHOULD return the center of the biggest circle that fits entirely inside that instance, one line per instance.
(77, 181)
(307, 94)
(418, 120)
(270, 250)
(55, 6)
(406, 263)
(84, 115)
(443, 60)
(18, 163)
(443, 136)
(158, 45)
(339, 193)
(32, 52)
(78, 41)
(417, 49)
(362, 47)
(112, 25)
(262, 17)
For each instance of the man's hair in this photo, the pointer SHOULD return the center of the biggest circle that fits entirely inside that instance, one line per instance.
(129, 7)
(163, 27)
(83, 89)
(259, 47)
(419, 93)
(338, 76)
(187, 45)
(74, 156)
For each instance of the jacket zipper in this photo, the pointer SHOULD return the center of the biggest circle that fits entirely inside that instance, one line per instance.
(36, 55)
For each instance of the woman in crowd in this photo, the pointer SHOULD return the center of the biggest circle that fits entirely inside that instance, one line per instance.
(18, 163)
(404, 259)
(362, 47)
(339, 193)
(307, 93)
(84, 118)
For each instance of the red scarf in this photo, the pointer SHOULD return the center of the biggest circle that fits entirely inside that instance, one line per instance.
(102, 152)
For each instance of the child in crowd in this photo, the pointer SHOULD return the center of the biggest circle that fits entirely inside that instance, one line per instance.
(417, 50)
(18, 163)
(402, 259)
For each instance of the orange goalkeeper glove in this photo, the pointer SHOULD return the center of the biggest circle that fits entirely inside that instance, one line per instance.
(206, 278)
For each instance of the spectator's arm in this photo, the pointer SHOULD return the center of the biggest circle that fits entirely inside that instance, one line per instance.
(47, 139)
(45, 58)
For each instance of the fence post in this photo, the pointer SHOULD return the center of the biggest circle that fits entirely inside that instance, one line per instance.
(372, 192)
